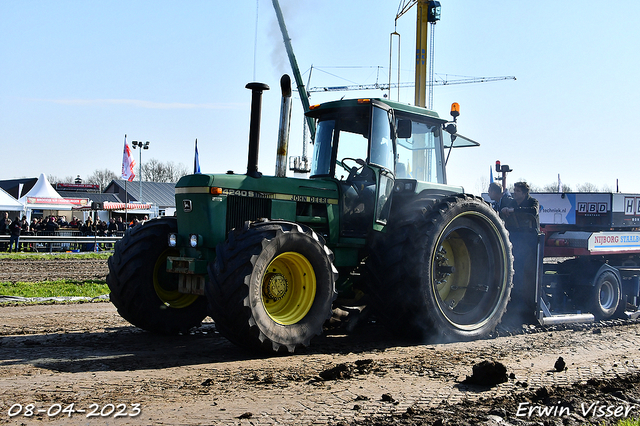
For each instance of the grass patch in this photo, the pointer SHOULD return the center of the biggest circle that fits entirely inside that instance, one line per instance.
(628, 422)
(621, 422)
(61, 288)
(53, 256)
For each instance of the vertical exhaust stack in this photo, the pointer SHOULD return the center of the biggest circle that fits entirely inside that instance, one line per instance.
(254, 127)
(285, 125)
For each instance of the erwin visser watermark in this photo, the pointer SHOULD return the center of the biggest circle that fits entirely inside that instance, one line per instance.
(594, 409)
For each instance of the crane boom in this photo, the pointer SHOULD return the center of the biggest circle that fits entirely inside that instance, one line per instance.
(304, 97)
(385, 86)
(404, 7)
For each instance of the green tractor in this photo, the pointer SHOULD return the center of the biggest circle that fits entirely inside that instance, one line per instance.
(376, 224)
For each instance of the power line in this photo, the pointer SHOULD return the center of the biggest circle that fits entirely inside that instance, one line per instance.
(439, 81)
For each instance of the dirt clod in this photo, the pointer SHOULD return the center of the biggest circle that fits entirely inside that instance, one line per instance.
(387, 398)
(487, 373)
(339, 372)
(560, 365)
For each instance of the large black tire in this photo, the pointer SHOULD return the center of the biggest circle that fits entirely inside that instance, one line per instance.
(144, 293)
(604, 298)
(271, 286)
(443, 269)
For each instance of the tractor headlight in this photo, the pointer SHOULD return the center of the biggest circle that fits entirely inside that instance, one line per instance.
(193, 240)
(173, 240)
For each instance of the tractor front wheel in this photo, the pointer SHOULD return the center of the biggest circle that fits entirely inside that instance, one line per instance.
(145, 294)
(271, 286)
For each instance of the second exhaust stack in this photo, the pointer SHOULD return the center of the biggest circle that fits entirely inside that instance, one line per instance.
(285, 125)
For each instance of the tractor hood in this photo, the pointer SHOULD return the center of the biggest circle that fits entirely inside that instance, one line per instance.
(263, 187)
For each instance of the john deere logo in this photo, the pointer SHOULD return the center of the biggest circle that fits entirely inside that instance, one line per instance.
(186, 205)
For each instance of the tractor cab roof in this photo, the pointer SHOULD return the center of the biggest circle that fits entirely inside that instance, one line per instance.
(319, 109)
(456, 141)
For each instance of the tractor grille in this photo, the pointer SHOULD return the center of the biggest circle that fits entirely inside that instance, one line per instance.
(241, 209)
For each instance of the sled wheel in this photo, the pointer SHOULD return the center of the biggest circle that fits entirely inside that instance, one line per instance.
(145, 294)
(271, 286)
(605, 295)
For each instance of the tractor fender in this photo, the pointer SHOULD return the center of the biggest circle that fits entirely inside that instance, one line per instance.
(430, 196)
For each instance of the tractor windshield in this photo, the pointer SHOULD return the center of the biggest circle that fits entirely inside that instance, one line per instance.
(347, 137)
(364, 133)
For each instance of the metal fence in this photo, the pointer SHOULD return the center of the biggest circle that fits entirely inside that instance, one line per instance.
(73, 241)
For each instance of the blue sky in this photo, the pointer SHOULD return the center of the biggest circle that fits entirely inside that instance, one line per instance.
(76, 76)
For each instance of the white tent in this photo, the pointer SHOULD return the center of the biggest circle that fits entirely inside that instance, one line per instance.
(8, 203)
(43, 197)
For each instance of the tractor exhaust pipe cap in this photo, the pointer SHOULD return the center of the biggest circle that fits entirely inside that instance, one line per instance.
(254, 127)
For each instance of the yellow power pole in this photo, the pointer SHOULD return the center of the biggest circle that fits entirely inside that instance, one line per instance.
(428, 12)
(422, 25)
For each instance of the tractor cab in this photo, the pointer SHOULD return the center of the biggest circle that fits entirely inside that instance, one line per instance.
(374, 147)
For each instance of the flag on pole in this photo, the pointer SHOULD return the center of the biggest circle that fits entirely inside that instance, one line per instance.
(127, 163)
(196, 161)
(490, 174)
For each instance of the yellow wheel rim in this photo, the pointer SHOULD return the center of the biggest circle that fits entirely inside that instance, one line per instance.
(166, 284)
(453, 270)
(288, 288)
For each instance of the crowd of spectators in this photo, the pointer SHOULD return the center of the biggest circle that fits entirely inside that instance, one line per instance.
(51, 224)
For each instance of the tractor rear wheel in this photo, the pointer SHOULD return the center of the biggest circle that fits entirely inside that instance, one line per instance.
(271, 286)
(443, 268)
(145, 294)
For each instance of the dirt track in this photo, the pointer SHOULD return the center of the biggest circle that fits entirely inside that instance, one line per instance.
(85, 354)
(13, 270)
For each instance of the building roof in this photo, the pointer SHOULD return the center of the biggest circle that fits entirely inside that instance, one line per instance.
(12, 186)
(161, 194)
(92, 196)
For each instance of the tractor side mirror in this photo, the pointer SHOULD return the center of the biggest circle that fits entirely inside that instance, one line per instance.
(451, 128)
(404, 129)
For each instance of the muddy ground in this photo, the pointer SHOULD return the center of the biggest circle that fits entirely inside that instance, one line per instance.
(13, 270)
(75, 357)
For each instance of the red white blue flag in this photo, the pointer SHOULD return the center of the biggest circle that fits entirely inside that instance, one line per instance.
(127, 163)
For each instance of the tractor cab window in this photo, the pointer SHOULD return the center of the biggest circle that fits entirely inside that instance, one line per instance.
(346, 144)
(357, 180)
(352, 152)
(339, 138)
(383, 154)
(381, 142)
(323, 147)
(356, 147)
(421, 156)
